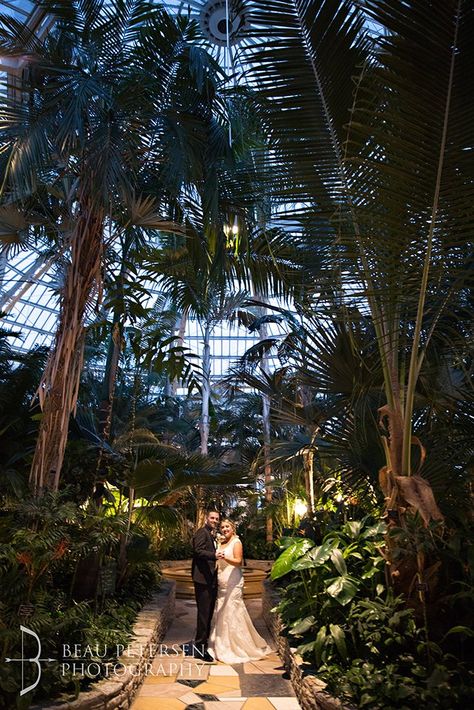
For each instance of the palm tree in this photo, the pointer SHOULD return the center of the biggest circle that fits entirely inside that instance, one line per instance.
(194, 291)
(337, 363)
(113, 90)
(376, 136)
(19, 377)
(227, 253)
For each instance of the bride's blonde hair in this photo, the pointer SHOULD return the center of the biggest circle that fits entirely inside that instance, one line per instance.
(230, 522)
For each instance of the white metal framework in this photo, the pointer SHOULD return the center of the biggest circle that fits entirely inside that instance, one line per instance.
(29, 280)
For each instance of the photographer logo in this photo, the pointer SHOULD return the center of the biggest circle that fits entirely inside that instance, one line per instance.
(36, 660)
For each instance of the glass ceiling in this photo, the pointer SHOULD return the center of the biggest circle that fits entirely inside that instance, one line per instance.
(28, 279)
(21, 9)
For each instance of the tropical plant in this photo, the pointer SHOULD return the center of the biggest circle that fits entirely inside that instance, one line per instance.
(387, 664)
(199, 289)
(58, 570)
(329, 576)
(370, 648)
(373, 134)
(20, 374)
(97, 111)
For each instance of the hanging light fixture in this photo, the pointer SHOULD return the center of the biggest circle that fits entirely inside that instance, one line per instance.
(223, 21)
(232, 229)
(231, 232)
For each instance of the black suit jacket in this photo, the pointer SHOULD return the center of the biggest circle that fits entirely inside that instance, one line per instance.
(204, 570)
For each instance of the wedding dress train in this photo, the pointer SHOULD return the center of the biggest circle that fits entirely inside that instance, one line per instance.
(233, 637)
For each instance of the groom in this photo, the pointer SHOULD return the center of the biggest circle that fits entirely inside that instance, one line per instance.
(204, 574)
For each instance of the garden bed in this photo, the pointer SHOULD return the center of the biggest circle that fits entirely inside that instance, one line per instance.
(309, 689)
(118, 691)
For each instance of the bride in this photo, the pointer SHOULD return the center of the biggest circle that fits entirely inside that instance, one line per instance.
(233, 637)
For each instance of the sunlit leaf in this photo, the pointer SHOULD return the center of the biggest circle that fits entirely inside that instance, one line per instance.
(285, 561)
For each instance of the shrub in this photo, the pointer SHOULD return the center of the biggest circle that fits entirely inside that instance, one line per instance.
(363, 641)
(44, 542)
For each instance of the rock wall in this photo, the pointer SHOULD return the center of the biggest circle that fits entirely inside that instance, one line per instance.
(118, 691)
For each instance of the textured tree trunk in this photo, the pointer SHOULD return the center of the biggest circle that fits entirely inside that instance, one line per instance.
(181, 327)
(268, 477)
(59, 387)
(206, 390)
(308, 453)
(268, 474)
(308, 458)
(110, 378)
(113, 356)
(205, 422)
(3, 266)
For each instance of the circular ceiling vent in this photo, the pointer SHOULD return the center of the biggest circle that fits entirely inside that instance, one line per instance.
(214, 23)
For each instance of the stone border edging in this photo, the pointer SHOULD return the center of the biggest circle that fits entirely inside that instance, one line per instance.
(264, 565)
(118, 692)
(308, 688)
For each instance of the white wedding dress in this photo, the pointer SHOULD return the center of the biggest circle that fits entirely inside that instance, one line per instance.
(233, 637)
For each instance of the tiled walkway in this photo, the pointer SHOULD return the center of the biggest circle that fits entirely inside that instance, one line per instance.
(177, 682)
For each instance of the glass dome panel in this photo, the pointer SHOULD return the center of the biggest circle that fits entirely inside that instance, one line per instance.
(28, 280)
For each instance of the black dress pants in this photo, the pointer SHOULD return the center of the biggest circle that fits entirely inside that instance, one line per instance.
(205, 600)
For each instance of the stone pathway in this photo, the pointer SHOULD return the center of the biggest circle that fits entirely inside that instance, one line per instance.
(176, 682)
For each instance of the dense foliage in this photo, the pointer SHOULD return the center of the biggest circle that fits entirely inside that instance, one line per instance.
(371, 647)
(325, 206)
(63, 577)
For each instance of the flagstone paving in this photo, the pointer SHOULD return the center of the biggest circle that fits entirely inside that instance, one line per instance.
(177, 682)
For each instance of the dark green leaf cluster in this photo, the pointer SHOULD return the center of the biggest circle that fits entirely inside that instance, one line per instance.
(54, 556)
(371, 648)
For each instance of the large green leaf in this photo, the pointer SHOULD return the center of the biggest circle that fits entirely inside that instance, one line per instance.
(343, 589)
(376, 530)
(305, 648)
(353, 528)
(462, 630)
(298, 50)
(285, 542)
(319, 555)
(316, 556)
(302, 626)
(303, 563)
(319, 643)
(338, 561)
(283, 565)
(400, 179)
(339, 639)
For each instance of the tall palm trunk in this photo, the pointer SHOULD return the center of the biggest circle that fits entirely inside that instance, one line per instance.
(60, 383)
(3, 264)
(204, 424)
(108, 388)
(113, 356)
(308, 453)
(181, 328)
(206, 390)
(110, 377)
(267, 436)
(268, 477)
